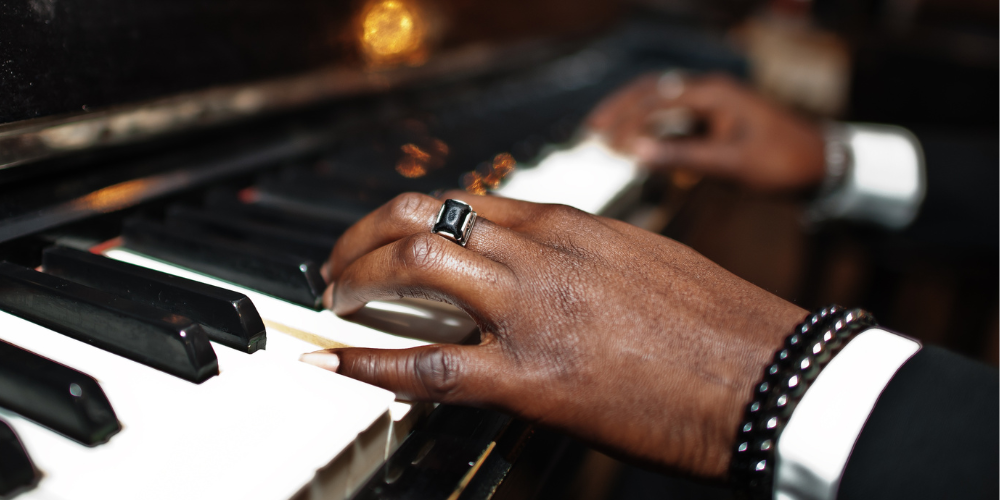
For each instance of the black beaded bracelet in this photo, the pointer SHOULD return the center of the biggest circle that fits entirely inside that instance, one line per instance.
(806, 351)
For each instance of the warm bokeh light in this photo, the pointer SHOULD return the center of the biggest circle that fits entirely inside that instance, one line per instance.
(113, 197)
(476, 183)
(414, 162)
(473, 183)
(503, 163)
(393, 31)
(417, 161)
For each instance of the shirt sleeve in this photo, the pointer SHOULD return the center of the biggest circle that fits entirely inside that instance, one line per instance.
(880, 175)
(815, 445)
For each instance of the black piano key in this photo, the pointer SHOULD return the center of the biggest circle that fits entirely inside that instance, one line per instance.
(289, 277)
(56, 396)
(17, 473)
(226, 201)
(165, 341)
(228, 317)
(316, 246)
(297, 190)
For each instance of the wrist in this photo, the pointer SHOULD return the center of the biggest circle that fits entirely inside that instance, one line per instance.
(796, 364)
(754, 341)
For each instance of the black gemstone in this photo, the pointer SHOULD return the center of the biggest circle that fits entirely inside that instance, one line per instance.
(453, 216)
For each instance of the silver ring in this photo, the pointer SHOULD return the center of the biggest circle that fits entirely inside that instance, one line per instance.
(670, 85)
(455, 221)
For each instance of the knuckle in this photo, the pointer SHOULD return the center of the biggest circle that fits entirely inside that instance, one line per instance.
(407, 208)
(562, 213)
(439, 372)
(421, 252)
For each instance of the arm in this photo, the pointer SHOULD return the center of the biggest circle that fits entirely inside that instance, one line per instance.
(933, 434)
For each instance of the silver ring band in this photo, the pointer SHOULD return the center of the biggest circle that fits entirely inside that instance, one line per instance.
(455, 221)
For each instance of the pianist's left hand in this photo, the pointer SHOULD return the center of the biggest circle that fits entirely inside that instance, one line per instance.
(616, 335)
(747, 138)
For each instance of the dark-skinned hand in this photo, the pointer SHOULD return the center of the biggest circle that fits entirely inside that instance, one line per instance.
(624, 338)
(748, 139)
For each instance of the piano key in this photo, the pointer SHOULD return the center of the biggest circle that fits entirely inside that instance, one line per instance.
(259, 431)
(56, 396)
(228, 318)
(17, 473)
(289, 277)
(322, 328)
(145, 334)
(336, 198)
(345, 212)
(314, 245)
(226, 201)
(588, 175)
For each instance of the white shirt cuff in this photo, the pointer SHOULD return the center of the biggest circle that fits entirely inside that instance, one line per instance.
(815, 445)
(884, 181)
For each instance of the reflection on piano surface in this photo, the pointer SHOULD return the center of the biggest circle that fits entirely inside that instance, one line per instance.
(155, 298)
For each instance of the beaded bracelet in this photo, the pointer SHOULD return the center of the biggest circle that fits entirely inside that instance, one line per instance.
(806, 351)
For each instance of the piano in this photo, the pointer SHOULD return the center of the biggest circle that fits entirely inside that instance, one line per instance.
(173, 176)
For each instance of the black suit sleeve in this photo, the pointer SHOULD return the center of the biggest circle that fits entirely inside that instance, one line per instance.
(932, 434)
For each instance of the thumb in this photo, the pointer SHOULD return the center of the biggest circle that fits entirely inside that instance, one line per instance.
(440, 373)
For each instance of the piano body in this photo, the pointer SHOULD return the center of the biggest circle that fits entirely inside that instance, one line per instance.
(171, 178)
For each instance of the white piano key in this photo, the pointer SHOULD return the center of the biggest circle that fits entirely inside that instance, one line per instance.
(588, 175)
(323, 328)
(260, 430)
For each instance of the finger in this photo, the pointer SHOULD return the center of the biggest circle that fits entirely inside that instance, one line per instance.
(710, 93)
(606, 113)
(424, 265)
(412, 213)
(506, 212)
(702, 156)
(633, 122)
(404, 215)
(439, 373)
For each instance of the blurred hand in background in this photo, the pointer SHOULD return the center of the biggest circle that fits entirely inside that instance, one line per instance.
(714, 126)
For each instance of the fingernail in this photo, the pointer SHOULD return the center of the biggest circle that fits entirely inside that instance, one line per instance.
(322, 359)
(324, 271)
(328, 297)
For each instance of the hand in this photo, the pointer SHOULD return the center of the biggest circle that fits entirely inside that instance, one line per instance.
(619, 336)
(748, 139)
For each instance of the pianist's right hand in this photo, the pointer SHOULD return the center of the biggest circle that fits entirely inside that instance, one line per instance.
(622, 337)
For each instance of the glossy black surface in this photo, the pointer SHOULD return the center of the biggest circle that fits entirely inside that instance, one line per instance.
(453, 217)
(335, 198)
(165, 341)
(226, 202)
(56, 396)
(434, 459)
(16, 470)
(312, 245)
(59, 57)
(228, 317)
(289, 277)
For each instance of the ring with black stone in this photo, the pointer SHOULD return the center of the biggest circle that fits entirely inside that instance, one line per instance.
(455, 221)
